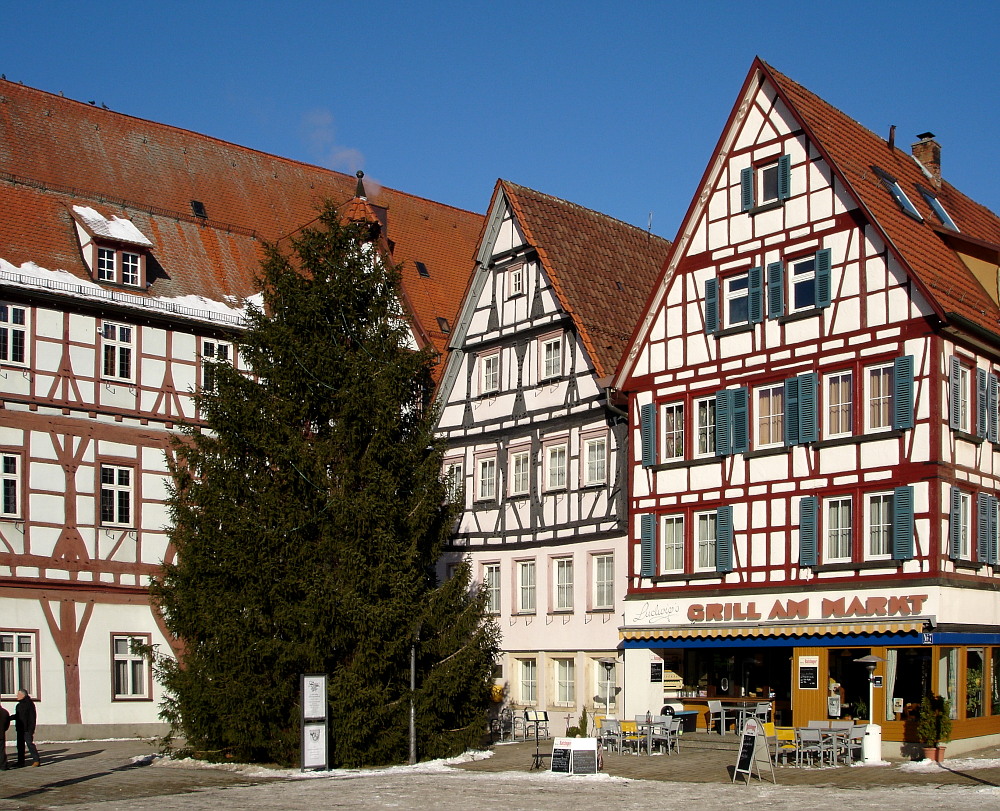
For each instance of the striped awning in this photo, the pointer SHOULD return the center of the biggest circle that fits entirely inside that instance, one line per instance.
(893, 626)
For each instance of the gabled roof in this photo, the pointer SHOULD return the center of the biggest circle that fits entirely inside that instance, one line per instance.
(600, 268)
(56, 153)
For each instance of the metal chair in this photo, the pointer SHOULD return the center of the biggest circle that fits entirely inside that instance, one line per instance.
(784, 743)
(717, 713)
(855, 742)
(630, 737)
(808, 745)
(611, 734)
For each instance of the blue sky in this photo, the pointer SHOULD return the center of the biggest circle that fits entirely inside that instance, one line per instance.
(615, 106)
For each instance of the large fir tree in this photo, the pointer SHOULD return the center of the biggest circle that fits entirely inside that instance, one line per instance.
(308, 513)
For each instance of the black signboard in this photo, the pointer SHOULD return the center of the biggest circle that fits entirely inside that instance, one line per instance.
(808, 678)
(560, 759)
(584, 761)
(655, 671)
(747, 744)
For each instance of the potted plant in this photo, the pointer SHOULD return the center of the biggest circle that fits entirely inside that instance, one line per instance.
(934, 726)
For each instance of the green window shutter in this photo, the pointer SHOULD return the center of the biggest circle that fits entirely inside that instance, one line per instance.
(647, 430)
(982, 397)
(808, 530)
(724, 422)
(808, 407)
(992, 519)
(724, 539)
(791, 411)
(982, 527)
(902, 523)
(746, 189)
(955, 525)
(647, 562)
(991, 405)
(784, 177)
(755, 292)
(775, 290)
(741, 426)
(711, 306)
(955, 392)
(902, 394)
(823, 278)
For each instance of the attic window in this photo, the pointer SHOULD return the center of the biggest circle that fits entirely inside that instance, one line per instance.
(198, 209)
(893, 187)
(443, 325)
(937, 208)
(115, 250)
(422, 270)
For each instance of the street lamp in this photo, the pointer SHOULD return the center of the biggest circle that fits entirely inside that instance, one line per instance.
(870, 661)
(609, 666)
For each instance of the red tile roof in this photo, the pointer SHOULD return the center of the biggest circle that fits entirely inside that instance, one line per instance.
(56, 153)
(601, 268)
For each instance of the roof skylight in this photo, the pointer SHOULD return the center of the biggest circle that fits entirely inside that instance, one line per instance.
(938, 208)
(893, 187)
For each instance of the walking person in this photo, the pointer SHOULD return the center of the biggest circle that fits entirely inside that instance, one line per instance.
(24, 715)
(4, 726)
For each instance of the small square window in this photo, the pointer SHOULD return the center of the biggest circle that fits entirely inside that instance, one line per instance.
(116, 495)
(515, 281)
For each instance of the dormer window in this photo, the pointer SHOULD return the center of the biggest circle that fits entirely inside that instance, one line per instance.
(114, 249)
(122, 267)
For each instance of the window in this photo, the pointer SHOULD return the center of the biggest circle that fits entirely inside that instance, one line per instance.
(515, 281)
(105, 265)
(880, 398)
(120, 266)
(555, 467)
(673, 430)
(13, 334)
(529, 680)
(565, 681)
(10, 480)
(604, 581)
(770, 416)
(706, 526)
(939, 210)
(958, 525)
(17, 664)
(212, 353)
(491, 584)
(116, 495)
(673, 544)
(595, 460)
(130, 669)
(736, 300)
(705, 426)
(551, 356)
(526, 586)
(892, 186)
(564, 584)
(117, 351)
(489, 372)
(519, 467)
(454, 477)
(838, 404)
(766, 183)
(879, 525)
(803, 284)
(838, 529)
(960, 386)
(486, 470)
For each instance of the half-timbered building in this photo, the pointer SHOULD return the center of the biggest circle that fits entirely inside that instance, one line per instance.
(535, 447)
(127, 251)
(815, 465)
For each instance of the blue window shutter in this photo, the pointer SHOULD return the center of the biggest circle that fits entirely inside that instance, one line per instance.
(746, 189)
(792, 411)
(955, 391)
(647, 430)
(741, 427)
(955, 525)
(724, 539)
(982, 397)
(775, 290)
(647, 562)
(902, 394)
(991, 419)
(823, 278)
(784, 177)
(756, 295)
(808, 530)
(808, 407)
(902, 523)
(711, 305)
(982, 527)
(724, 422)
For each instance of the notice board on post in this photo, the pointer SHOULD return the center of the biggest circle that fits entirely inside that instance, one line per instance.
(314, 722)
(574, 756)
(753, 745)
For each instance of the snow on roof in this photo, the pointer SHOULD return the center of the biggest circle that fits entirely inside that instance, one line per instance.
(117, 228)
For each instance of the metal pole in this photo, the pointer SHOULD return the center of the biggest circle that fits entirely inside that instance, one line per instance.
(413, 708)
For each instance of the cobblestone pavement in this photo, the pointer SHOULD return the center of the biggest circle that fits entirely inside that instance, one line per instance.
(109, 775)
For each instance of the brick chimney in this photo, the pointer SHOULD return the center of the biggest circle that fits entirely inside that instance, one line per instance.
(928, 152)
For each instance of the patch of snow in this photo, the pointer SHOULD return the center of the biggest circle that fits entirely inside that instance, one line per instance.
(117, 228)
(951, 764)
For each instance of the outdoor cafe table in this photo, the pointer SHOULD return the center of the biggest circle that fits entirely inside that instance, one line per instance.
(831, 740)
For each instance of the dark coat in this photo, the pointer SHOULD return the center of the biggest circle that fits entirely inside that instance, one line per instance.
(4, 721)
(24, 714)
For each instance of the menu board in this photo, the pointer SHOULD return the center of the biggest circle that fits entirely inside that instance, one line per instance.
(808, 672)
(655, 672)
(574, 756)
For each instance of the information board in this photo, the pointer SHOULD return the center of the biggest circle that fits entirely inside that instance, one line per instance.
(655, 672)
(314, 721)
(574, 755)
(808, 672)
(753, 745)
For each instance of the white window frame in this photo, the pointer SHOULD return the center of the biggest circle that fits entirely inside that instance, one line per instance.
(878, 397)
(454, 476)
(10, 484)
(565, 678)
(515, 281)
(594, 465)
(556, 465)
(672, 543)
(706, 540)
(13, 335)
(562, 583)
(117, 491)
(878, 526)
(704, 416)
(801, 272)
(116, 351)
(837, 534)
(528, 680)
(550, 356)
(213, 352)
(489, 372)
(18, 663)
(732, 294)
(603, 567)
(491, 585)
(129, 669)
(671, 431)
(769, 421)
(526, 584)
(519, 471)
(964, 525)
(486, 477)
(839, 410)
(964, 390)
(765, 174)
(122, 266)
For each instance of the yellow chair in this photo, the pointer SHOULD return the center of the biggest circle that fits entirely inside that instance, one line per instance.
(630, 735)
(784, 743)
